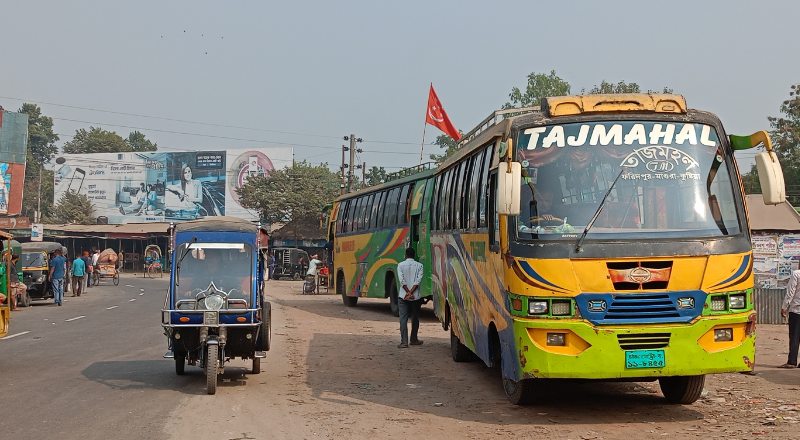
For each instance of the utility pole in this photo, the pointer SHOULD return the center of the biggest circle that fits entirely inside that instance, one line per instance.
(341, 171)
(352, 138)
(364, 175)
(38, 215)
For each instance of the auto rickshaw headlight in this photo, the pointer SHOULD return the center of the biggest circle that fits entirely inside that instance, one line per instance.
(214, 302)
(40, 279)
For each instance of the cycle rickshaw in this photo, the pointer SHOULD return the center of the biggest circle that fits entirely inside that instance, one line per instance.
(152, 261)
(106, 268)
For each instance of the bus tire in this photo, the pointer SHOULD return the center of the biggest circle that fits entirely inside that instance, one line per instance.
(394, 304)
(521, 392)
(459, 351)
(349, 301)
(682, 390)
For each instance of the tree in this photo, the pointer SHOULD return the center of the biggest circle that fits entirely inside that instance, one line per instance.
(41, 148)
(376, 176)
(539, 86)
(449, 144)
(785, 136)
(137, 142)
(96, 140)
(41, 138)
(293, 195)
(610, 88)
(74, 208)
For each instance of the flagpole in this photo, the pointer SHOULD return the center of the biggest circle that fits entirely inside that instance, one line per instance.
(424, 127)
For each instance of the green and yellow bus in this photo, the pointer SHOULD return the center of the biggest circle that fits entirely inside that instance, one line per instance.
(597, 237)
(370, 230)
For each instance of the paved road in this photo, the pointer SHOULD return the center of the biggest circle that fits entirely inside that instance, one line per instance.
(90, 368)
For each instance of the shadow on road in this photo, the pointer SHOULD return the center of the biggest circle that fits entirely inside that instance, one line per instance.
(368, 309)
(160, 375)
(370, 369)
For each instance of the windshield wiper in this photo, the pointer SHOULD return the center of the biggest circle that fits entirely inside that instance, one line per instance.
(597, 213)
(178, 266)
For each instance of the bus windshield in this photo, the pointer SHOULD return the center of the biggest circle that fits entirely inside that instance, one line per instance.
(672, 180)
(227, 265)
(33, 260)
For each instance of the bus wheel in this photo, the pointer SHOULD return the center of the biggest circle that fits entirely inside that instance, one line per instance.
(459, 351)
(522, 392)
(349, 301)
(393, 303)
(682, 390)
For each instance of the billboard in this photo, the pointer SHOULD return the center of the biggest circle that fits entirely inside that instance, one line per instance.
(13, 152)
(164, 187)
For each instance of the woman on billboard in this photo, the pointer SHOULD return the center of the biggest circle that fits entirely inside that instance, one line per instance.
(189, 191)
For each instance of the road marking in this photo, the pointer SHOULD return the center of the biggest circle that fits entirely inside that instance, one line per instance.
(73, 319)
(141, 294)
(128, 285)
(112, 307)
(132, 300)
(15, 335)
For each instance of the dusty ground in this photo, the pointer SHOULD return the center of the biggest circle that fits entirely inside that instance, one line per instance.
(335, 372)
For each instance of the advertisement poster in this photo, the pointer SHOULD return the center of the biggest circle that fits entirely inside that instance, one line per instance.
(13, 153)
(164, 187)
(765, 245)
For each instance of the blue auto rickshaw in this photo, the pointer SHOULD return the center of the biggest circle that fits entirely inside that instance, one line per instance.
(215, 309)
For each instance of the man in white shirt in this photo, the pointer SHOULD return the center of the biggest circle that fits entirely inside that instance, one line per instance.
(791, 303)
(312, 265)
(409, 273)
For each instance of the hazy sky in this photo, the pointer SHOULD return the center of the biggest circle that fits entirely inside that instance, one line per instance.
(325, 69)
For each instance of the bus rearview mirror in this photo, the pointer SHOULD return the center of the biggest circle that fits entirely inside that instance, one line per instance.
(770, 174)
(508, 188)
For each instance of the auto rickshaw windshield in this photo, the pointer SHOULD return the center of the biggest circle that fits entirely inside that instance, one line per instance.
(227, 265)
(33, 260)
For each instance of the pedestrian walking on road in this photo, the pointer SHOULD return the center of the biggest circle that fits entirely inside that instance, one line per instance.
(409, 273)
(120, 260)
(78, 272)
(271, 265)
(791, 304)
(58, 269)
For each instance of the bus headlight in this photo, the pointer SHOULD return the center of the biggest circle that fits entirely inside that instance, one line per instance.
(537, 307)
(738, 302)
(719, 303)
(556, 339)
(560, 308)
(723, 335)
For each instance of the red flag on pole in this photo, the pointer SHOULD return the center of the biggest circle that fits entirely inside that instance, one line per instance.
(438, 118)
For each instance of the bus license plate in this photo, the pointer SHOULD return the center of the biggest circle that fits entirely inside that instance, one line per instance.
(644, 359)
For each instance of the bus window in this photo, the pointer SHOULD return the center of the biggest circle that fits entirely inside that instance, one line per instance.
(402, 208)
(350, 215)
(339, 219)
(465, 187)
(358, 220)
(391, 209)
(377, 202)
(437, 204)
(475, 190)
(455, 205)
(448, 179)
(368, 210)
(382, 210)
(486, 187)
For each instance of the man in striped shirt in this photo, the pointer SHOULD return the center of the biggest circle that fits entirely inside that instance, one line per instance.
(409, 273)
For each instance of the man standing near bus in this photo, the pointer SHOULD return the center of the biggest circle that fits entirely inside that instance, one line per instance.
(791, 304)
(409, 273)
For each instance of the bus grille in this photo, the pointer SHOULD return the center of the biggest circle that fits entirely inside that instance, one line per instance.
(641, 306)
(643, 341)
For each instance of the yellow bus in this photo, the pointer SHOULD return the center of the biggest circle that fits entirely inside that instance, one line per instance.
(598, 237)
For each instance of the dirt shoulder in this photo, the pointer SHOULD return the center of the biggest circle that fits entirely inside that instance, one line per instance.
(336, 372)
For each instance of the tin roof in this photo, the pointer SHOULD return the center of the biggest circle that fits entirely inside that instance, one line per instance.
(763, 217)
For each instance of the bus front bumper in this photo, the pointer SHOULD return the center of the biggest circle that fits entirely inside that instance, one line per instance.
(594, 352)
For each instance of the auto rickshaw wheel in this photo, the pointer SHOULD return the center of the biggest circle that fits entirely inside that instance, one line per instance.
(116, 279)
(212, 360)
(256, 365)
(96, 279)
(25, 300)
(180, 364)
(266, 326)
(296, 276)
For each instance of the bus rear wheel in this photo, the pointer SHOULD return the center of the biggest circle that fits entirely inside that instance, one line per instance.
(459, 351)
(682, 390)
(393, 303)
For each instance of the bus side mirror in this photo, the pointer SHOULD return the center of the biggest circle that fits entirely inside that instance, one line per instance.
(770, 174)
(508, 188)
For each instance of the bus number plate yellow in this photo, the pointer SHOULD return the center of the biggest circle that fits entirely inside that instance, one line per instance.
(645, 359)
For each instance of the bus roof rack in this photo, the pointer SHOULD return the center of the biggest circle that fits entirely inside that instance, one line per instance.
(492, 120)
(405, 172)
